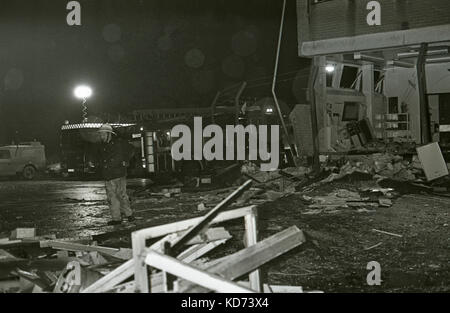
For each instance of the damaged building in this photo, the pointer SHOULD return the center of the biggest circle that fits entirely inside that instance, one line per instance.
(389, 81)
(358, 200)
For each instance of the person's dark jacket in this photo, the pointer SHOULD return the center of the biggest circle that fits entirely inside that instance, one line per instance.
(115, 157)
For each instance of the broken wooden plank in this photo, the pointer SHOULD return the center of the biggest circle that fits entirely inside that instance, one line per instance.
(4, 255)
(122, 253)
(125, 271)
(173, 249)
(139, 237)
(70, 246)
(7, 266)
(8, 242)
(373, 247)
(249, 259)
(282, 289)
(80, 239)
(199, 250)
(26, 286)
(193, 274)
(162, 230)
(10, 286)
(36, 279)
(74, 278)
(276, 288)
(387, 233)
(128, 287)
(92, 257)
(40, 238)
(251, 238)
(62, 254)
(202, 225)
(20, 233)
(212, 234)
(117, 276)
(122, 288)
(157, 281)
(37, 289)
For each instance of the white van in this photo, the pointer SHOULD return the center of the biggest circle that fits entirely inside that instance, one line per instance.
(24, 159)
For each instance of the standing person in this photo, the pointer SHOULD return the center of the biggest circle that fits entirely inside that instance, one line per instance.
(115, 155)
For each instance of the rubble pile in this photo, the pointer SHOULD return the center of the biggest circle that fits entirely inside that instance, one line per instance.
(379, 165)
(346, 199)
(279, 182)
(380, 169)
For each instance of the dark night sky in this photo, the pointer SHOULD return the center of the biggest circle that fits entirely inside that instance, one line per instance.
(135, 54)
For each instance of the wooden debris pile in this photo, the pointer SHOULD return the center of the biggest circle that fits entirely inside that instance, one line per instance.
(174, 262)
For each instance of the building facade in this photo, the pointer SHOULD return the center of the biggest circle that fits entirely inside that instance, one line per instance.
(395, 74)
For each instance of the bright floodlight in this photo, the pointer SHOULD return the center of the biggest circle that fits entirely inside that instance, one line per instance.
(83, 92)
(330, 68)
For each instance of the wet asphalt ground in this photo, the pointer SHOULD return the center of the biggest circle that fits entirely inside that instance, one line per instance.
(63, 208)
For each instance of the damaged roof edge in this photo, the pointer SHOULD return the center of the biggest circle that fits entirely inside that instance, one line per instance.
(433, 34)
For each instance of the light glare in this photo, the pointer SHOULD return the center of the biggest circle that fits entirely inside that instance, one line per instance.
(330, 68)
(83, 92)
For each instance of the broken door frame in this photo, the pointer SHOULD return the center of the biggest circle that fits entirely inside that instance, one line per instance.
(140, 250)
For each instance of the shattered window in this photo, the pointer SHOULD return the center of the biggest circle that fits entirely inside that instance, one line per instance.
(378, 78)
(349, 75)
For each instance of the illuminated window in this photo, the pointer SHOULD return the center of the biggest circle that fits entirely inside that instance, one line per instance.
(330, 76)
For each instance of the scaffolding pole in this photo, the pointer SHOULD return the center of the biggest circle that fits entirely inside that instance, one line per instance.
(275, 98)
(425, 131)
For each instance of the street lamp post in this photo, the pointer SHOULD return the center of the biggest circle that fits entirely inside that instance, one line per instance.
(83, 92)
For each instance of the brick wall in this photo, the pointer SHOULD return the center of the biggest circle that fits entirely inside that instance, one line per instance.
(347, 18)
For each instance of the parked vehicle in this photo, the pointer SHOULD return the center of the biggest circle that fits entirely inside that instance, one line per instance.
(152, 144)
(25, 159)
(79, 145)
(77, 157)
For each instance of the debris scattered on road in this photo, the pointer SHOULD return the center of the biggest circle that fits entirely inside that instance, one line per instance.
(374, 246)
(387, 233)
(83, 266)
